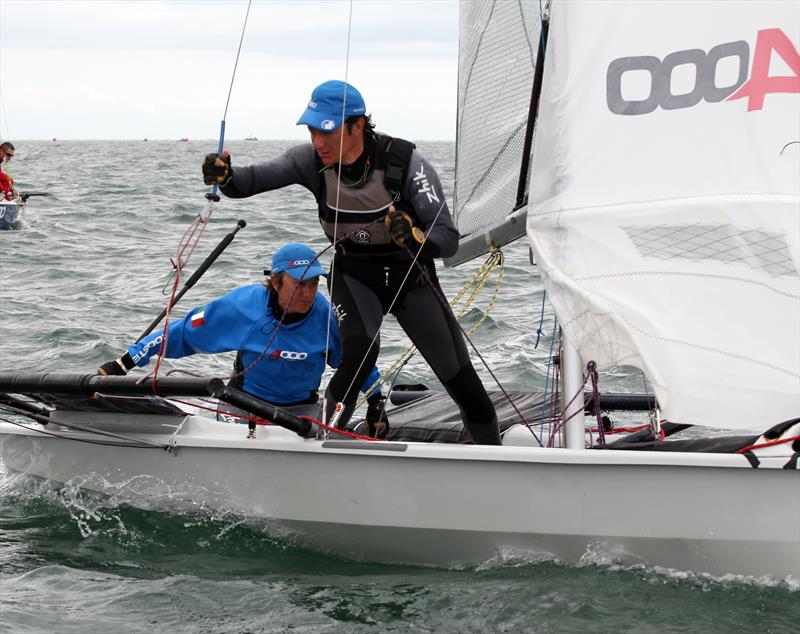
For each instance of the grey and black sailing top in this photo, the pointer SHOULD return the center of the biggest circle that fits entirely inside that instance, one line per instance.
(357, 208)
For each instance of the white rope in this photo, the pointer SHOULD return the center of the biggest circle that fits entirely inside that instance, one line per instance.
(336, 216)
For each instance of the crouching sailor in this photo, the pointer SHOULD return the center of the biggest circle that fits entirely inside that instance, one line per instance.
(280, 330)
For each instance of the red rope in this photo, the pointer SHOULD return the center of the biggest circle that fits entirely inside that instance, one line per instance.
(261, 421)
(769, 444)
(623, 430)
(189, 240)
(342, 432)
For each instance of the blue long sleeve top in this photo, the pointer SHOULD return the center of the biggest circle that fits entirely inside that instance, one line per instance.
(288, 371)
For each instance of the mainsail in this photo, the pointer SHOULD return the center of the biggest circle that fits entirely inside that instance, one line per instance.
(664, 204)
(498, 48)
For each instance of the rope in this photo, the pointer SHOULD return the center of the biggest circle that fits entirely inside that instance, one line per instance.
(539, 332)
(446, 307)
(414, 257)
(592, 368)
(5, 117)
(139, 443)
(338, 191)
(478, 280)
(547, 378)
(213, 195)
(771, 443)
(260, 421)
(236, 63)
(562, 423)
(191, 237)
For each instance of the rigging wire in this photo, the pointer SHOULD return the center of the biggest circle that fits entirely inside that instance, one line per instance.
(336, 215)
(478, 281)
(414, 256)
(332, 279)
(230, 90)
(194, 232)
(539, 332)
(3, 109)
(443, 300)
(400, 287)
(335, 231)
(4, 113)
(138, 443)
(547, 376)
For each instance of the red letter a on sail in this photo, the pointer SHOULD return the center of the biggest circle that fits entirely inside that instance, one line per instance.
(760, 83)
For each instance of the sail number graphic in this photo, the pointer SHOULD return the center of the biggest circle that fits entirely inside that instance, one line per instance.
(754, 88)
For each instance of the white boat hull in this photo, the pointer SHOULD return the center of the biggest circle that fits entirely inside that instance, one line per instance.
(444, 504)
(10, 212)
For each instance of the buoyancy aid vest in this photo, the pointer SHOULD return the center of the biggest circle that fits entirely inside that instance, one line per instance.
(349, 208)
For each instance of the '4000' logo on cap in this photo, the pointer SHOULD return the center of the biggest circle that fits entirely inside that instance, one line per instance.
(300, 263)
(328, 125)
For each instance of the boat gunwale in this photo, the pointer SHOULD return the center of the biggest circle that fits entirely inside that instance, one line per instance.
(273, 438)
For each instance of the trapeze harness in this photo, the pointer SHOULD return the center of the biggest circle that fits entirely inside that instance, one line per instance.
(365, 200)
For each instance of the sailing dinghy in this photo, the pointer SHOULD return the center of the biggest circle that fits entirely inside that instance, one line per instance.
(664, 220)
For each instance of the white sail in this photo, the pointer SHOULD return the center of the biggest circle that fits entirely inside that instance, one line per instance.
(665, 199)
(498, 45)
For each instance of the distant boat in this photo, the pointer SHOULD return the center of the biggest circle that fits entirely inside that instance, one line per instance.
(251, 138)
(184, 140)
(10, 212)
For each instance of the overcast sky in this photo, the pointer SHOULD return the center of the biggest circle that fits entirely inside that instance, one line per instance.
(125, 69)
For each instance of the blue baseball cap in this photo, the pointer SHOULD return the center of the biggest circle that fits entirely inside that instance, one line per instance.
(324, 111)
(298, 260)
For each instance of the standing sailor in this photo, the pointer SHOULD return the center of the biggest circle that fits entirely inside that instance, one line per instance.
(378, 198)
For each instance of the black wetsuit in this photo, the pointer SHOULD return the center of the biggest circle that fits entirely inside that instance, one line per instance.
(369, 269)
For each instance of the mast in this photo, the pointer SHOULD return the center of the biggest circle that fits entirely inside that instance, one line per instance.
(572, 372)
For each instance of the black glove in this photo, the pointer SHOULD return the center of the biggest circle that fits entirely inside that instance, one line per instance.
(216, 169)
(117, 367)
(376, 421)
(401, 228)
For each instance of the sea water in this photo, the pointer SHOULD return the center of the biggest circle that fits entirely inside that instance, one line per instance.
(83, 275)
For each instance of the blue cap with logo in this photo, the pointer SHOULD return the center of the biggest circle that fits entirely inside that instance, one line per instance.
(324, 111)
(298, 260)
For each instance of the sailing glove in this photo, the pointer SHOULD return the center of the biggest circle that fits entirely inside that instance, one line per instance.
(376, 421)
(217, 169)
(401, 228)
(117, 367)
